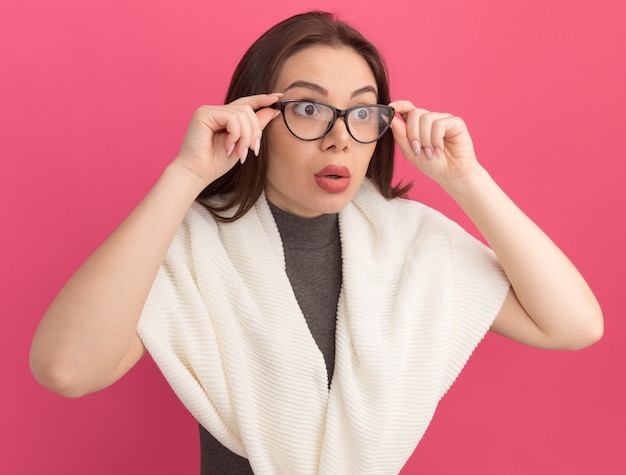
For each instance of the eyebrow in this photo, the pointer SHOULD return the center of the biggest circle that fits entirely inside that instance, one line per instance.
(317, 88)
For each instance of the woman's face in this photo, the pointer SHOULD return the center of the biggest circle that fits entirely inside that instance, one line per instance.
(312, 178)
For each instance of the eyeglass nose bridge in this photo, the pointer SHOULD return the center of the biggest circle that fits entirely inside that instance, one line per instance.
(338, 114)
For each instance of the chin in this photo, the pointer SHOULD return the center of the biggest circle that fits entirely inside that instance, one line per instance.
(334, 203)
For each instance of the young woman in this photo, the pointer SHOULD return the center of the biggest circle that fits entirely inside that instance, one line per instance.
(306, 314)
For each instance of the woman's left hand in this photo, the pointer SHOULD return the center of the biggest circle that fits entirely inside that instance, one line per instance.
(550, 304)
(438, 144)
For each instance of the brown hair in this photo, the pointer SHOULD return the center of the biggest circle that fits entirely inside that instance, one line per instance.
(258, 71)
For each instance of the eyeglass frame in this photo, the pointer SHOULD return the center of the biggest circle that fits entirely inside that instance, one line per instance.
(337, 113)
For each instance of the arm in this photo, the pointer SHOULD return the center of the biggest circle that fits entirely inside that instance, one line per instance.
(86, 339)
(549, 305)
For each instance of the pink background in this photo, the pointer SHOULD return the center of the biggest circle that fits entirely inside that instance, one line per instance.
(94, 100)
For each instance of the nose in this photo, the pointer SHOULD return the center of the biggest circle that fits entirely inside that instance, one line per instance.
(338, 137)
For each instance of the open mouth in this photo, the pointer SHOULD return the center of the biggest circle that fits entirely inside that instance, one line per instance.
(333, 178)
(334, 172)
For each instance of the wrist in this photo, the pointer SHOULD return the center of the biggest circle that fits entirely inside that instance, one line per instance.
(464, 187)
(185, 177)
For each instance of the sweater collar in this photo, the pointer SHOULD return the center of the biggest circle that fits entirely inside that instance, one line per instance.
(307, 233)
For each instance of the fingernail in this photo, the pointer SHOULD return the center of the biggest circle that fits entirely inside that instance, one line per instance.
(392, 104)
(276, 94)
(438, 152)
(417, 148)
(244, 156)
(429, 153)
(257, 146)
(230, 150)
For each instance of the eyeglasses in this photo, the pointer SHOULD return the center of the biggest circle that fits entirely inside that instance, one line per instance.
(311, 120)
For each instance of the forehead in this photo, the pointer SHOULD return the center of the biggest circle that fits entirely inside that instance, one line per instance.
(339, 70)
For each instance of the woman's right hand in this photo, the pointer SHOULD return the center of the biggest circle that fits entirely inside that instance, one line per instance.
(87, 338)
(219, 136)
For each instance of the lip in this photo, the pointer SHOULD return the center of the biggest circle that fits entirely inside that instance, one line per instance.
(333, 178)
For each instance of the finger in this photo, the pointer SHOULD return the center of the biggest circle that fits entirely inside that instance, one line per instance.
(399, 131)
(439, 130)
(232, 127)
(403, 108)
(431, 136)
(245, 121)
(260, 115)
(451, 132)
(412, 116)
(250, 132)
(258, 101)
(241, 127)
(252, 127)
(449, 127)
(265, 116)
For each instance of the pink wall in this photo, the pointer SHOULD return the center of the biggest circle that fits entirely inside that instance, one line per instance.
(94, 99)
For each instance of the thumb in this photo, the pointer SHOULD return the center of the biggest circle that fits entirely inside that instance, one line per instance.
(399, 131)
(266, 115)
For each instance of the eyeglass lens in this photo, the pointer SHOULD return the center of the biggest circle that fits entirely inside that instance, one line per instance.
(309, 120)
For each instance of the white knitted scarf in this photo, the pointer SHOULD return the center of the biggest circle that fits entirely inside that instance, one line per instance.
(224, 326)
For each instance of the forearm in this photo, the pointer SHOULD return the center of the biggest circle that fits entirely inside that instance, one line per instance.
(88, 328)
(548, 286)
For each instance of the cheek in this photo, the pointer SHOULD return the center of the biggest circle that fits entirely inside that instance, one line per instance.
(367, 157)
(277, 139)
(276, 131)
(281, 157)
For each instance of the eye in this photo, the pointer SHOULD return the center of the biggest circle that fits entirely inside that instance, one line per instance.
(363, 114)
(308, 109)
